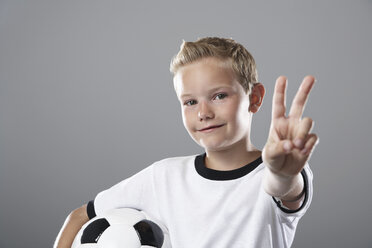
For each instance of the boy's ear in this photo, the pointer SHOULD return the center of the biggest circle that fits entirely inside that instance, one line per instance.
(256, 97)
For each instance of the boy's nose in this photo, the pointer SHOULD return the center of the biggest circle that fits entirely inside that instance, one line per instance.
(205, 112)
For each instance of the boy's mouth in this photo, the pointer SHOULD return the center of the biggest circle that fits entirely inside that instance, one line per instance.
(210, 128)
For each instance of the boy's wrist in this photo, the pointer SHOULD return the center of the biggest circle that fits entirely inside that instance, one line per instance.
(296, 198)
(284, 187)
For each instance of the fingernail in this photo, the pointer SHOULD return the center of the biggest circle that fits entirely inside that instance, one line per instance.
(287, 146)
(298, 143)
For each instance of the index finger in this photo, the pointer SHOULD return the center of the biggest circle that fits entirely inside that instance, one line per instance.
(298, 103)
(278, 108)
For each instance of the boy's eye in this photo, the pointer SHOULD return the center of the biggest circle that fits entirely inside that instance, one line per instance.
(220, 96)
(190, 102)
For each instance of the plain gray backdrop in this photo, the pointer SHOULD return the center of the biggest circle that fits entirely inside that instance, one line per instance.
(86, 100)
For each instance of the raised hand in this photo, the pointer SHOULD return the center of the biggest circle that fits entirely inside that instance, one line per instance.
(290, 142)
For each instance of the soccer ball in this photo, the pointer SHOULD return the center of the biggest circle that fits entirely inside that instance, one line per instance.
(122, 228)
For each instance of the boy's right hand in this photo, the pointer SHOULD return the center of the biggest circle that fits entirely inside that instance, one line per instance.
(290, 142)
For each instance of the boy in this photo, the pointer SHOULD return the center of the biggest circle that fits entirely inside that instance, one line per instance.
(232, 195)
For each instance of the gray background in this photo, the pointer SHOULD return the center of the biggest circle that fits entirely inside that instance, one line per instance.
(86, 100)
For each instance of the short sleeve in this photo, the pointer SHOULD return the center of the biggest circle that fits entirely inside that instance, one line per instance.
(135, 192)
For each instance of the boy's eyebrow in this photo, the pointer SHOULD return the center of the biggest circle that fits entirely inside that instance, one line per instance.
(209, 91)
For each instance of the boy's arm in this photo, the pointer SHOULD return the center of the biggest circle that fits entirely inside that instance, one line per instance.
(289, 190)
(289, 145)
(71, 227)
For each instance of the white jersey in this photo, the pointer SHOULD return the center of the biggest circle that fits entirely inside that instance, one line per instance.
(207, 208)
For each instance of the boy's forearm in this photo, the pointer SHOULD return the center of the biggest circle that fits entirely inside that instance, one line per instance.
(71, 227)
(286, 188)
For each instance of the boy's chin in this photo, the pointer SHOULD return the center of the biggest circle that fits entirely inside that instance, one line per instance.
(213, 147)
(220, 145)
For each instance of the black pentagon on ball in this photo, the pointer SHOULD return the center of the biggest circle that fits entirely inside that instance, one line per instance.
(149, 233)
(93, 231)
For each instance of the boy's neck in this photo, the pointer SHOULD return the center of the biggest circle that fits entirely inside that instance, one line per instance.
(231, 159)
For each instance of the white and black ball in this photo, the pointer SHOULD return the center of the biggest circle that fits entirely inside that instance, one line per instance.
(122, 228)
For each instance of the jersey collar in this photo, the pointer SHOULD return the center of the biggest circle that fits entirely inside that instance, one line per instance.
(217, 175)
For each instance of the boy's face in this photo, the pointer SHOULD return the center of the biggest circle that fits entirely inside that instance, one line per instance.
(214, 104)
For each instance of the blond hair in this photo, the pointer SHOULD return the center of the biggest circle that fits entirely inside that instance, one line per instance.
(242, 62)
